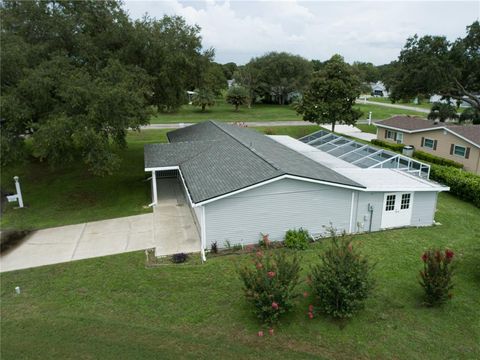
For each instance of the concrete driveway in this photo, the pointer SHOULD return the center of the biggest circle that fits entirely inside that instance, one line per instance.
(169, 229)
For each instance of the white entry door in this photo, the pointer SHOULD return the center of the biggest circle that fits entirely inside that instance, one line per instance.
(397, 210)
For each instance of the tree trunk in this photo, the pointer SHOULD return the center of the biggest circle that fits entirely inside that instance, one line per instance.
(333, 126)
(236, 107)
(203, 107)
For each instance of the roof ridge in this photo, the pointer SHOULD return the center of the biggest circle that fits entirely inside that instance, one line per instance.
(245, 145)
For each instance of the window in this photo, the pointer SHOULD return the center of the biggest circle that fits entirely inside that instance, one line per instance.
(390, 203)
(399, 138)
(390, 134)
(428, 143)
(405, 204)
(459, 150)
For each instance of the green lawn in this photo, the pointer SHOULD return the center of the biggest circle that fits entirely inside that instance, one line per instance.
(422, 105)
(70, 195)
(260, 112)
(372, 129)
(115, 308)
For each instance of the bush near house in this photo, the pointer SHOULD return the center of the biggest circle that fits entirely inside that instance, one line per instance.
(297, 239)
(436, 276)
(342, 280)
(388, 145)
(270, 286)
(463, 184)
(436, 159)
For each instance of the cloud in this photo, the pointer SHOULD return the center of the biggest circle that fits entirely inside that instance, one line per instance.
(363, 31)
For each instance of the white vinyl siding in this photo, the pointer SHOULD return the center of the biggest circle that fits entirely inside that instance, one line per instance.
(424, 205)
(274, 208)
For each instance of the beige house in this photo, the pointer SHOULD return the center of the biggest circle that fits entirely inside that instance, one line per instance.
(460, 143)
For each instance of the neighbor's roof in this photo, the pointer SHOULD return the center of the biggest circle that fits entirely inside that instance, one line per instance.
(216, 159)
(471, 133)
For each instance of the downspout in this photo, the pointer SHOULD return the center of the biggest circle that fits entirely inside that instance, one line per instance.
(203, 236)
(370, 209)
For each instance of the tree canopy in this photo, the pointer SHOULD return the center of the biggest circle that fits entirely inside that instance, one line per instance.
(279, 75)
(442, 111)
(433, 65)
(237, 95)
(76, 75)
(330, 97)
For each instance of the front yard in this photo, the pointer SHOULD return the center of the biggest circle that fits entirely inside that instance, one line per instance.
(115, 308)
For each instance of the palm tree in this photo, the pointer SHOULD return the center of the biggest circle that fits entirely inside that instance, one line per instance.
(442, 112)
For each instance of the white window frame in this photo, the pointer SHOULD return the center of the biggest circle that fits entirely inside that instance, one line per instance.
(399, 137)
(425, 143)
(455, 146)
(392, 133)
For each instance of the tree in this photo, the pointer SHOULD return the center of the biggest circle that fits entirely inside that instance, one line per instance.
(248, 76)
(366, 72)
(432, 65)
(237, 95)
(229, 70)
(470, 114)
(442, 112)
(203, 98)
(76, 75)
(281, 74)
(331, 95)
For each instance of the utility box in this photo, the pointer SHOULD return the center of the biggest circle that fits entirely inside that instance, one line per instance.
(408, 150)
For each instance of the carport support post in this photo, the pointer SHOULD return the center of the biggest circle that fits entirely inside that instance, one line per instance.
(154, 188)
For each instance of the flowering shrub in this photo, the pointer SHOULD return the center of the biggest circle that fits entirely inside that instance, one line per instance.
(264, 241)
(270, 284)
(297, 239)
(342, 280)
(436, 276)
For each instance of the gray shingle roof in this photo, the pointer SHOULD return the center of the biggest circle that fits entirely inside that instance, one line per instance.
(217, 158)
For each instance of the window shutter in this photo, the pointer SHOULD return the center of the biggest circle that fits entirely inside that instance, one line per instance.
(386, 131)
(451, 149)
(423, 140)
(467, 153)
(434, 144)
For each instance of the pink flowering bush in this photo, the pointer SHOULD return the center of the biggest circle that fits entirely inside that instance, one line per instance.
(270, 284)
(436, 276)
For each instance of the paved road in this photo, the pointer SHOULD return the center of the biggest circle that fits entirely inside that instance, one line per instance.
(395, 106)
(249, 123)
(169, 229)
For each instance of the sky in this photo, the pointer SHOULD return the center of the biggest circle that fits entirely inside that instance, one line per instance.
(373, 31)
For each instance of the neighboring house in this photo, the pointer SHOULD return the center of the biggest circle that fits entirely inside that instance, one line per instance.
(460, 143)
(239, 183)
(230, 83)
(379, 89)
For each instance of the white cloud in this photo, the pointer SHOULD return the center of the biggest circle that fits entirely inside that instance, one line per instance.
(364, 31)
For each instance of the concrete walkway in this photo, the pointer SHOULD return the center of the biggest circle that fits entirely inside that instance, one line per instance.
(169, 229)
(352, 131)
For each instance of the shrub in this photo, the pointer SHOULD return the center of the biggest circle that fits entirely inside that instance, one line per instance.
(342, 280)
(388, 145)
(179, 258)
(214, 248)
(297, 239)
(436, 276)
(237, 247)
(436, 159)
(270, 285)
(264, 241)
(463, 184)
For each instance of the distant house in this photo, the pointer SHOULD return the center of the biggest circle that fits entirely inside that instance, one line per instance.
(379, 89)
(230, 83)
(460, 143)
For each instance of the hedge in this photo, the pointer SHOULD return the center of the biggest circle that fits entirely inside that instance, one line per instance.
(436, 159)
(391, 146)
(463, 184)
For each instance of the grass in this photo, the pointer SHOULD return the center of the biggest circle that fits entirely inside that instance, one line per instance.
(115, 308)
(423, 105)
(70, 195)
(371, 129)
(259, 113)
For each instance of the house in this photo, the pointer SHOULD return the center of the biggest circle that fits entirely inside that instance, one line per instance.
(239, 183)
(460, 143)
(379, 89)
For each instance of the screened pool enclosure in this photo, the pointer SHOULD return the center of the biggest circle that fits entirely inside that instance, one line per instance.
(364, 155)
